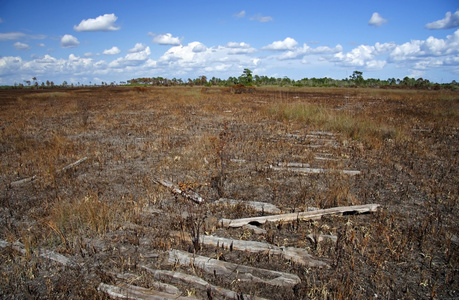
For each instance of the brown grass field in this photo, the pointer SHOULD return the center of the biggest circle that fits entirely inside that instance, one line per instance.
(107, 218)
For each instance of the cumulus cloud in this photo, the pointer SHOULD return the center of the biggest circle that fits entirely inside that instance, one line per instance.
(240, 14)
(101, 23)
(137, 48)
(364, 56)
(376, 20)
(306, 50)
(261, 18)
(287, 44)
(165, 39)
(11, 36)
(69, 41)
(21, 46)
(420, 49)
(449, 21)
(112, 51)
(240, 48)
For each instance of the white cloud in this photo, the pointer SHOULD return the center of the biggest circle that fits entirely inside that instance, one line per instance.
(287, 44)
(420, 49)
(138, 48)
(112, 51)
(21, 46)
(261, 18)
(165, 39)
(376, 20)
(11, 36)
(199, 48)
(449, 21)
(69, 41)
(237, 45)
(1, 20)
(41, 45)
(306, 50)
(101, 23)
(240, 14)
(139, 55)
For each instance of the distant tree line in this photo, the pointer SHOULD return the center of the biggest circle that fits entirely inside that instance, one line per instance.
(248, 79)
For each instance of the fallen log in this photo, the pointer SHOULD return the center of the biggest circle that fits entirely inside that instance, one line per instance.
(196, 282)
(23, 181)
(128, 291)
(189, 194)
(73, 164)
(159, 286)
(30, 179)
(297, 255)
(47, 254)
(255, 205)
(233, 271)
(307, 215)
(314, 170)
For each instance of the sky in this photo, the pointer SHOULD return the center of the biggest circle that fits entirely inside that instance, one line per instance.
(90, 42)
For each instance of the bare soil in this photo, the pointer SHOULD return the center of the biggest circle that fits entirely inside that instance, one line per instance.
(110, 217)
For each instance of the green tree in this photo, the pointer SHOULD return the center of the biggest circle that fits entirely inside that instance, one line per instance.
(246, 77)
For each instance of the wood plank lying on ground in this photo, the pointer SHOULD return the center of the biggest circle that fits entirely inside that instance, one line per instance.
(314, 170)
(307, 215)
(196, 282)
(233, 271)
(159, 286)
(300, 256)
(257, 206)
(30, 179)
(128, 291)
(175, 189)
(47, 254)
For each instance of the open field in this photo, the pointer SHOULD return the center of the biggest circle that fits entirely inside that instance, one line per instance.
(85, 210)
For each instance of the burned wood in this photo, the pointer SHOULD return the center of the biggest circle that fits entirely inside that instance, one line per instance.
(189, 194)
(234, 271)
(196, 282)
(128, 291)
(159, 286)
(308, 215)
(255, 205)
(33, 178)
(73, 164)
(314, 170)
(297, 255)
(47, 254)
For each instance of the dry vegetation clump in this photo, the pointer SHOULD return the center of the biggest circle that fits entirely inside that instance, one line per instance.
(79, 173)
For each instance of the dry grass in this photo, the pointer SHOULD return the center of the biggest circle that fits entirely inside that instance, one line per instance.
(108, 214)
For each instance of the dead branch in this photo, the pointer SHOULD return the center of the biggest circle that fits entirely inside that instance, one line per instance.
(189, 194)
(297, 255)
(314, 170)
(257, 206)
(30, 179)
(233, 271)
(197, 282)
(128, 291)
(307, 215)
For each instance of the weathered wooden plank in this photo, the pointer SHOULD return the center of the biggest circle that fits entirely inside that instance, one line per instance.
(307, 215)
(314, 170)
(197, 282)
(297, 255)
(159, 286)
(234, 271)
(257, 206)
(175, 189)
(23, 181)
(73, 164)
(128, 291)
(33, 178)
(48, 254)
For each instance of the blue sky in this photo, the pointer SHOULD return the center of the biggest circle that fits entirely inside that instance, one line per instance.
(94, 41)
